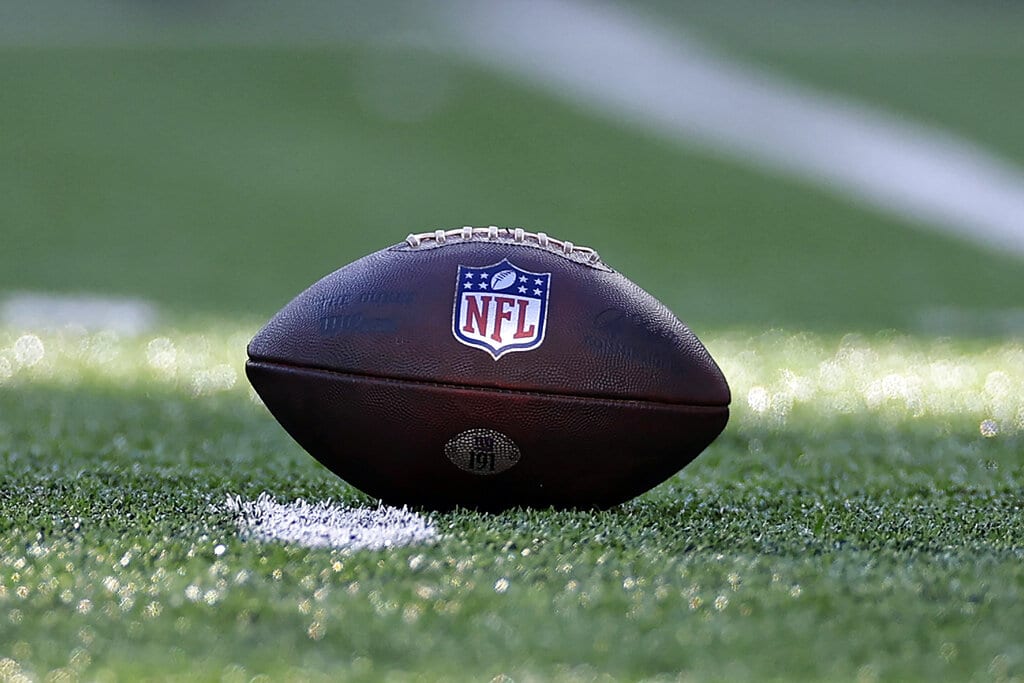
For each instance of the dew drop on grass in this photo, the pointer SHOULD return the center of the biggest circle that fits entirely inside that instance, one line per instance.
(29, 350)
(162, 355)
(218, 378)
(998, 384)
(989, 428)
(9, 667)
(758, 399)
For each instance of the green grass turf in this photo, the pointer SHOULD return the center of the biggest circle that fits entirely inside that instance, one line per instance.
(227, 179)
(852, 524)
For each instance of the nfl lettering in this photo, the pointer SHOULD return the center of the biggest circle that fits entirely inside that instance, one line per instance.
(500, 308)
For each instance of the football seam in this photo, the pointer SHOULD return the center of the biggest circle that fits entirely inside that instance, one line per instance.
(709, 407)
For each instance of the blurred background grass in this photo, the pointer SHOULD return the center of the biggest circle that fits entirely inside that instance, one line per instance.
(215, 159)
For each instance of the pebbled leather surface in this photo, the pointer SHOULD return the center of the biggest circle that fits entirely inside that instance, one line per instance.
(387, 437)
(389, 315)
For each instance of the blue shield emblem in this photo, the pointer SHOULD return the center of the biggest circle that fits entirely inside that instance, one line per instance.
(500, 308)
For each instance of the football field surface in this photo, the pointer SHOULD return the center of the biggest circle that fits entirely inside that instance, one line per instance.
(860, 518)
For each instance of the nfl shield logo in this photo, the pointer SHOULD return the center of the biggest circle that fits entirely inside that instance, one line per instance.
(500, 308)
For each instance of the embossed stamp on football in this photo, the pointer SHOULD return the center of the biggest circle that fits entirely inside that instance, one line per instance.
(489, 368)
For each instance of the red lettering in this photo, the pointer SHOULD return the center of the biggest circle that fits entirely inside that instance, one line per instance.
(522, 332)
(475, 315)
(501, 314)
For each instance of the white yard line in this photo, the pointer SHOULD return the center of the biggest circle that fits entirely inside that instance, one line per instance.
(40, 311)
(325, 524)
(633, 69)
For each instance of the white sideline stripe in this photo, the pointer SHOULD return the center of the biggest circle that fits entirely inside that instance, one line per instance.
(325, 524)
(634, 69)
(33, 310)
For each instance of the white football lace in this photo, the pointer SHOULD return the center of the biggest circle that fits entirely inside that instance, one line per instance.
(494, 233)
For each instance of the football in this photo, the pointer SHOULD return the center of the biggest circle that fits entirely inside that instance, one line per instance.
(489, 368)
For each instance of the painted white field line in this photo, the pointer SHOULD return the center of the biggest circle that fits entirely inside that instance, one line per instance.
(326, 524)
(634, 69)
(39, 311)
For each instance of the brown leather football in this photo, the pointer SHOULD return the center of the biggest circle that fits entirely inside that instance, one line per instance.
(489, 368)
